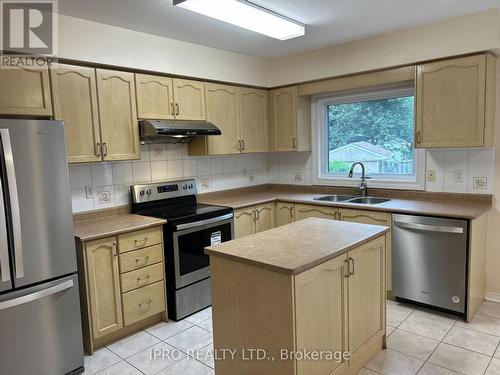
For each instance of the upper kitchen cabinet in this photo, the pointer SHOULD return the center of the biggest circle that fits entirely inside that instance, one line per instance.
(254, 120)
(223, 110)
(166, 98)
(290, 120)
(155, 97)
(118, 116)
(70, 85)
(25, 91)
(189, 99)
(455, 102)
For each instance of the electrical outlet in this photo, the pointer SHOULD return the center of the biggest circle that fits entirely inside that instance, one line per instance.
(297, 176)
(104, 197)
(251, 178)
(89, 192)
(480, 183)
(431, 175)
(205, 184)
(459, 175)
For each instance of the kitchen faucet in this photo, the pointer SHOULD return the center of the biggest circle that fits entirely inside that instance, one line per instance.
(363, 188)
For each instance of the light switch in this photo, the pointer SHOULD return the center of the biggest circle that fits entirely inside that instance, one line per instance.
(459, 175)
(89, 192)
(431, 175)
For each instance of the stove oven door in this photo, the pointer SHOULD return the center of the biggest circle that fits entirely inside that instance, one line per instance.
(190, 239)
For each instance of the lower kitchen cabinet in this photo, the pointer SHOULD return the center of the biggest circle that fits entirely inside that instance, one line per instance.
(285, 213)
(303, 211)
(253, 219)
(122, 287)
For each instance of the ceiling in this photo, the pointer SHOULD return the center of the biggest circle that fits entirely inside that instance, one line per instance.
(328, 22)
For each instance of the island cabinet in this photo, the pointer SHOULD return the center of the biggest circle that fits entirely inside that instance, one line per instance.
(25, 90)
(253, 219)
(121, 284)
(331, 310)
(455, 102)
(285, 213)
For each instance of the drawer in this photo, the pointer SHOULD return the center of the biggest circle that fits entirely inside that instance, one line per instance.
(143, 302)
(141, 258)
(139, 239)
(141, 277)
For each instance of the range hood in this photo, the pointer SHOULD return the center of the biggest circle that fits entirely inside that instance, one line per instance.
(174, 131)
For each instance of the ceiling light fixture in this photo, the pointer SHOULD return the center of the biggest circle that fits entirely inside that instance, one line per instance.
(247, 15)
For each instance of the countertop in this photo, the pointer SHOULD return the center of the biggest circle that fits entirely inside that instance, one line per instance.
(297, 247)
(445, 205)
(113, 225)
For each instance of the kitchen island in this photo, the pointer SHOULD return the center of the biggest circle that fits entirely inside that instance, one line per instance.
(304, 298)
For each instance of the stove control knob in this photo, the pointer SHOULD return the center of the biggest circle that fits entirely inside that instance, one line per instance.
(141, 193)
(185, 187)
(148, 192)
(190, 186)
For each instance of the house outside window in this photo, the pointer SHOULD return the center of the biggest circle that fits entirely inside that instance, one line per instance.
(375, 127)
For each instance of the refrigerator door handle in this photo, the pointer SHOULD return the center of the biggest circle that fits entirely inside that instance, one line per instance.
(4, 245)
(37, 295)
(14, 203)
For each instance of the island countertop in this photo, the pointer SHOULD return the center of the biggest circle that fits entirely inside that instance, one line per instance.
(299, 246)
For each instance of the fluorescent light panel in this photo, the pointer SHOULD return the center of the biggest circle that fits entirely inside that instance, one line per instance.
(246, 15)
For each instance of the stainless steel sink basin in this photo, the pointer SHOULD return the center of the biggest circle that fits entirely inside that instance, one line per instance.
(334, 198)
(368, 200)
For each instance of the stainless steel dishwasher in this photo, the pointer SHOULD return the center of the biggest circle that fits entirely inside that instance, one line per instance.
(429, 261)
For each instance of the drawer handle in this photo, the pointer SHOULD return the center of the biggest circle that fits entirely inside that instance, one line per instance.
(139, 279)
(147, 304)
(142, 260)
(144, 241)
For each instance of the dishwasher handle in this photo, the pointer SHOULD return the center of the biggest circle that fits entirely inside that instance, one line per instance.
(429, 228)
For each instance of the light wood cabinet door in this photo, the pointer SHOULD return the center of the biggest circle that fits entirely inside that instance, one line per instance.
(265, 217)
(75, 102)
(244, 222)
(103, 280)
(155, 97)
(284, 213)
(303, 211)
(366, 294)
(223, 110)
(320, 300)
(254, 120)
(375, 218)
(284, 118)
(118, 116)
(189, 99)
(450, 103)
(25, 91)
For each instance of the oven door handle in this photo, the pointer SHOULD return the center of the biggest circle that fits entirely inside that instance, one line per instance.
(204, 222)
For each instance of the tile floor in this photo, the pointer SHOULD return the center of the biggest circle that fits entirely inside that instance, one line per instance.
(419, 341)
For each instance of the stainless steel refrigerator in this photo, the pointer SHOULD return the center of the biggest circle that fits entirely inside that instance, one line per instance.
(40, 325)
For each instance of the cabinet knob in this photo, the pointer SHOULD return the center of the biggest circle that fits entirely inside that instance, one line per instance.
(419, 137)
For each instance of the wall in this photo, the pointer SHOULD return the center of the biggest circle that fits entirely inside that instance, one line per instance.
(470, 33)
(110, 182)
(95, 42)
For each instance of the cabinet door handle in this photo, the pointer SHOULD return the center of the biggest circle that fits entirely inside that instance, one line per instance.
(105, 149)
(172, 108)
(115, 247)
(147, 304)
(351, 261)
(178, 109)
(347, 273)
(291, 211)
(419, 137)
(239, 145)
(99, 149)
(144, 241)
(139, 279)
(243, 144)
(294, 143)
(143, 260)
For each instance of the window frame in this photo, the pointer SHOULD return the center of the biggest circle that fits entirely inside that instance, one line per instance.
(320, 174)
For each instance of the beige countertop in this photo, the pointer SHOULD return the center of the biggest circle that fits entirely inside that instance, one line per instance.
(297, 247)
(112, 225)
(446, 205)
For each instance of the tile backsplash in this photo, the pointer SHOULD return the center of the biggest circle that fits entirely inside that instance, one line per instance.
(104, 185)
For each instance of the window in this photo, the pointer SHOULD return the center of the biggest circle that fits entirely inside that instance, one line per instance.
(375, 127)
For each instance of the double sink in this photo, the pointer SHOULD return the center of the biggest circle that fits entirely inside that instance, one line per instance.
(352, 199)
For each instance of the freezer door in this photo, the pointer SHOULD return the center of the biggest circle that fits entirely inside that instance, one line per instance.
(35, 175)
(41, 329)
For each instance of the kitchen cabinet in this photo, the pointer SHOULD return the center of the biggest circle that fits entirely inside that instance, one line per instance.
(118, 115)
(285, 213)
(254, 120)
(121, 280)
(290, 120)
(337, 306)
(103, 280)
(189, 98)
(375, 218)
(455, 102)
(75, 84)
(25, 91)
(253, 219)
(303, 211)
